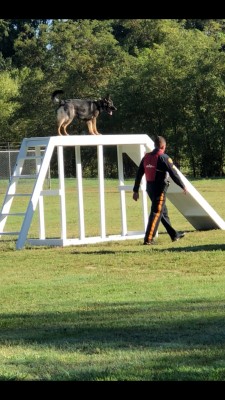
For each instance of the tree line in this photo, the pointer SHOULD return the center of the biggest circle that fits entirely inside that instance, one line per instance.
(165, 76)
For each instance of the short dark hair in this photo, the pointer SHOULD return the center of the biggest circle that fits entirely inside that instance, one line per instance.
(159, 142)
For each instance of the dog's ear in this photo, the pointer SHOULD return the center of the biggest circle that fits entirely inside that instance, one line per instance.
(107, 97)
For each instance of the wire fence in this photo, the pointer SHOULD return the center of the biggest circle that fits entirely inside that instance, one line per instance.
(8, 158)
(7, 163)
(8, 155)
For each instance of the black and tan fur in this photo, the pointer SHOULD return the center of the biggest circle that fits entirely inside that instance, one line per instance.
(83, 109)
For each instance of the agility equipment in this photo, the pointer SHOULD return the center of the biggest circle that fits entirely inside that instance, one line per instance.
(41, 149)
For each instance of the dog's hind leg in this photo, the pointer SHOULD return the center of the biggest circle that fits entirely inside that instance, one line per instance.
(65, 115)
(70, 114)
(62, 124)
(62, 118)
(65, 126)
(90, 127)
(94, 121)
(59, 129)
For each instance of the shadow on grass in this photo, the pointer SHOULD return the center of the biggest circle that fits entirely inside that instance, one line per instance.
(207, 247)
(105, 252)
(164, 336)
(155, 248)
(121, 325)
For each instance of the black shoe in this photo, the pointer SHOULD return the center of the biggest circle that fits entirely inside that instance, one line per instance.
(149, 242)
(178, 236)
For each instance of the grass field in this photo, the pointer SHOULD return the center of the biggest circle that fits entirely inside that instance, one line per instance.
(115, 311)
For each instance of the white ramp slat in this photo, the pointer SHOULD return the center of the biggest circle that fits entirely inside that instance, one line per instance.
(122, 188)
(101, 191)
(194, 207)
(38, 161)
(60, 157)
(80, 192)
(35, 196)
(8, 200)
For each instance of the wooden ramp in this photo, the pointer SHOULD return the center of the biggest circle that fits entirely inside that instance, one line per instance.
(193, 206)
(40, 149)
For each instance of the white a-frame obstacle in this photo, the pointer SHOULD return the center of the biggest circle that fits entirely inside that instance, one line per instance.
(40, 149)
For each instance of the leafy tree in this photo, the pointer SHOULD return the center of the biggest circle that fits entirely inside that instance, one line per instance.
(10, 30)
(8, 104)
(165, 86)
(165, 77)
(80, 57)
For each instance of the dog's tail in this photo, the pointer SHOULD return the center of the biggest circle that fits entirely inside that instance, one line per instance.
(54, 95)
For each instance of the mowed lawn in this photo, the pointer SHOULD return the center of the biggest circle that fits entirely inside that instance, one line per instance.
(114, 311)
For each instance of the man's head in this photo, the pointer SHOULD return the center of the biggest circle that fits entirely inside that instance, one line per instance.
(160, 142)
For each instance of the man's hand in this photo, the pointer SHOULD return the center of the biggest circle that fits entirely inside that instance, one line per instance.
(135, 196)
(185, 190)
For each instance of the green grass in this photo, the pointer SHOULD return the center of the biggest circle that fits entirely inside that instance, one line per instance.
(115, 311)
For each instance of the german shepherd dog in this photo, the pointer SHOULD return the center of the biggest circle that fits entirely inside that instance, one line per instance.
(83, 109)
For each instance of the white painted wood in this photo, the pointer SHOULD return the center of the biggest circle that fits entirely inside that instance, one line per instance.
(145, 200)
(41, 213)
(11, 190)
(122, 188)
(101, 190)
(87, 240)
(93, 140)
(62, 191)
(80, 192)
(194, 207)
(35, 196)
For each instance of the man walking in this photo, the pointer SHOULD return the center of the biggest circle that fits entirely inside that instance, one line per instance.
(157, 167)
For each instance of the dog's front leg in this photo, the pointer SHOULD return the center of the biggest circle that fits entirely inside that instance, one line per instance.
(90, 127)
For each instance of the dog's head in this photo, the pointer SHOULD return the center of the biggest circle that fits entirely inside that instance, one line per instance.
(107, 105)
